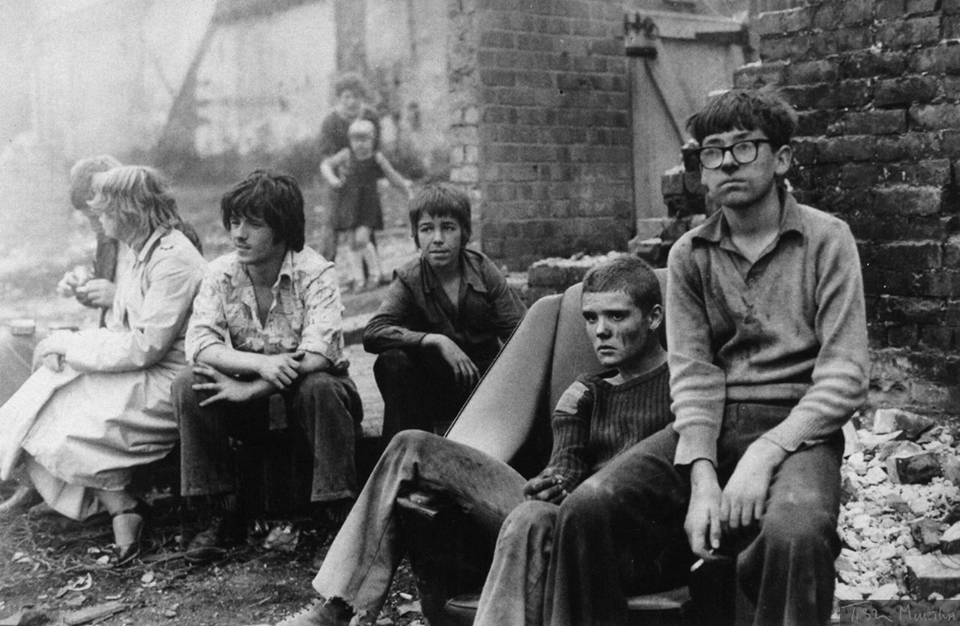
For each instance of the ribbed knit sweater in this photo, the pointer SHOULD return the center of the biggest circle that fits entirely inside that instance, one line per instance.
(595, 421)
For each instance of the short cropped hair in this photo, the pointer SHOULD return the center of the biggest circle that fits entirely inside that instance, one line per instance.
(81, 178)
(628, 274)
(272, 197)
(140, 198)
(350, 81)
(361, 128)
(746, 109)
(440, 200)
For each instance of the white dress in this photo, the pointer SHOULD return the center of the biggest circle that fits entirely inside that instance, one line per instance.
(109, 409)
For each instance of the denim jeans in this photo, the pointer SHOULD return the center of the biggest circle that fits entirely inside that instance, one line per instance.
(578, 562)
(325, 408)
(419, 390)
(365, 554)
(784, 566)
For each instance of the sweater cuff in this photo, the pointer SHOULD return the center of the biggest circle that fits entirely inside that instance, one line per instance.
(697, 441)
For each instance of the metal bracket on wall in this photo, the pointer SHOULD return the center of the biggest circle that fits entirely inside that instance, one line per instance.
(641, 36)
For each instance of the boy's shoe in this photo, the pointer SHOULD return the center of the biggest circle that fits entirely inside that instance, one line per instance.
(320, 613)
(211, 543)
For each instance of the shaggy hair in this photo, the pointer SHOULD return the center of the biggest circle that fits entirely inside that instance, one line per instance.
(272, 197)
(440, 200)
(81, 178)
(746, 109)
(139, 198)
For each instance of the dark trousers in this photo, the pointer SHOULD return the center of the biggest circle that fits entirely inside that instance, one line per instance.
(784, 567)
(325, 408)
(419, 391)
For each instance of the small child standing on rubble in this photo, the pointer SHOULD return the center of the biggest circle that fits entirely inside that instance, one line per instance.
(354, 173)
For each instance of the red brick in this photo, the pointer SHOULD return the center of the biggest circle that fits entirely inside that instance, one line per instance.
(921, 6)
(902, 336)
(939, 283)
(905, 200)
(951, 253)
(910, 146)
(937, 337)
(851, 148)
(795, 47)
(914, 255)
(950, 6)
(911, 32)
(761, 75)
(816, 122)
(910, 310)
(951, 26)
(856, 11)
(910, 90)
(841, 40)
(497, 78)
(889, 9)
(874, 122)
(497, 39)
(873, 63)
(935, 116)
(827, 15)
(820, 71)
(858, 175)
(941, 58)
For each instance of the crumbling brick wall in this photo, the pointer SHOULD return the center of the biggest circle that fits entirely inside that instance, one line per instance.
(877, 87)
(541, 129)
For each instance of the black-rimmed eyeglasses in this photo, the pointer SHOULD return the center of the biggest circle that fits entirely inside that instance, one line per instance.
(743, 152)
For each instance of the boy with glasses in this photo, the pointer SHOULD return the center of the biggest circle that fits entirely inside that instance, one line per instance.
(768, 359)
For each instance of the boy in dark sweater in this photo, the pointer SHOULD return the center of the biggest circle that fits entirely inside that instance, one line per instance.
(596, 423)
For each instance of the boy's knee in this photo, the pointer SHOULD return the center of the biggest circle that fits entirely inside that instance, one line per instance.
(392, 363)
(181, 389)
(530, 515)
(411, 442)
(798, 524)
(590, 498)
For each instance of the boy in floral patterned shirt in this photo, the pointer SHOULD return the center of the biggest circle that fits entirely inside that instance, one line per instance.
(267, 320)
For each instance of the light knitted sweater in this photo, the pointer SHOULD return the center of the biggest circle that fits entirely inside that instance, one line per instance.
(790, 327)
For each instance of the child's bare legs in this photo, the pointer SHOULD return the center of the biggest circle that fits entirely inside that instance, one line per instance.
(349, 261)
(128, 515)
(363, 245)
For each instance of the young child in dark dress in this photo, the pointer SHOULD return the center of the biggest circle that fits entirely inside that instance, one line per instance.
(354, 173)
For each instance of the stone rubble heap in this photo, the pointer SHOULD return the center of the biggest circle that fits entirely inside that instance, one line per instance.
(900, 514)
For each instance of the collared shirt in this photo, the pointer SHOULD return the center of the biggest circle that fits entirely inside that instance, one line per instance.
(150, 309)
(416, 305)
(306, 313)
(790, 327)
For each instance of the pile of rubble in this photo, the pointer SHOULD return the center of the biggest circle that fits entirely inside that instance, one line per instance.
(900, 513)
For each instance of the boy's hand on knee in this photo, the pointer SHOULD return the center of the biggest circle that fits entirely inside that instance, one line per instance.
(703, 514)
(548, 486)
(280, 370)
(222, 388)
(464, 370)
(745, 496)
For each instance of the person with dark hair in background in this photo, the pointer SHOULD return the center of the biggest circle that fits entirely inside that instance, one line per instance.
(101, 405)
(267, 320)
(351, 106)
(443, 320)
(596, 424)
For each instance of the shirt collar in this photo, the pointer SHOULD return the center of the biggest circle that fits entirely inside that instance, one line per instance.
(471, 273)
(238, 275)
(149, 244)
(716, 228)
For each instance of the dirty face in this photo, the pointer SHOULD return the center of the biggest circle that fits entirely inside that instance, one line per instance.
(747, 170)
(440, 239)
(618, 329)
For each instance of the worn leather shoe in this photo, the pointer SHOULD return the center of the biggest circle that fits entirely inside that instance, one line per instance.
(211, 543)
(320, 613)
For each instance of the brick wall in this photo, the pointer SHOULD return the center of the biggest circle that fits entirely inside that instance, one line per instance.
(877, 86)
(541, 130)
